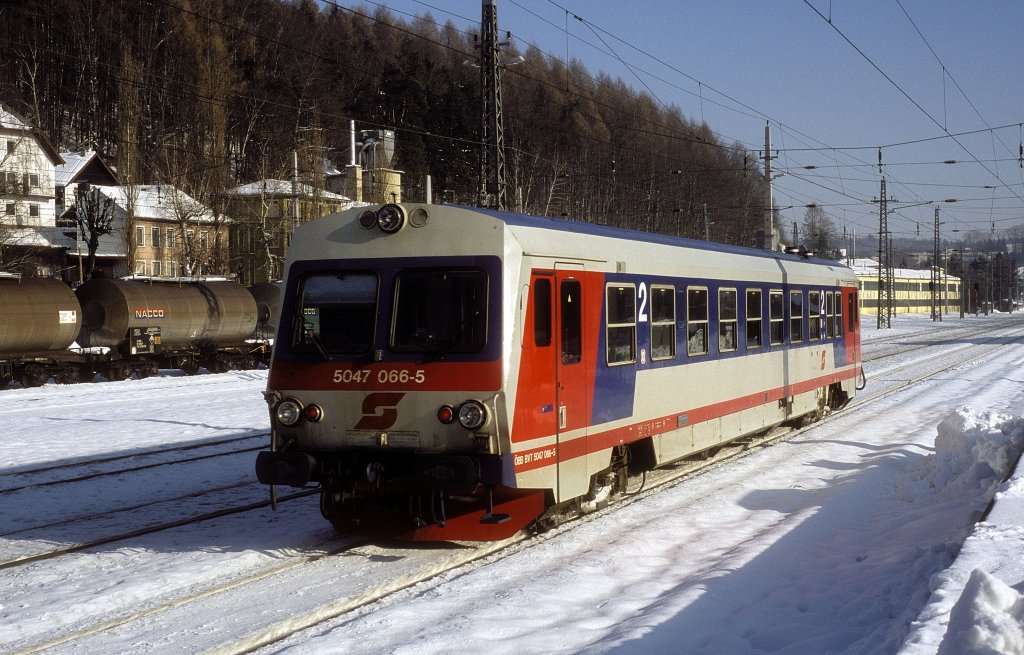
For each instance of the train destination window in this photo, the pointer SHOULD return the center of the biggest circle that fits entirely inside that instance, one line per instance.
(796, 316)
(440, 311)
(542, 312)
(753, 318)
(813, 315)
(696, 321)
(776, 317)
(336, 314)
(727, 320)
(663, 322)
(570, 311)
(621, 323)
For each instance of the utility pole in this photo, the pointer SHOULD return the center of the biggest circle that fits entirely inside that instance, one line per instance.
(771, 238)
(936, 279)
(493, 192)
(707, 229)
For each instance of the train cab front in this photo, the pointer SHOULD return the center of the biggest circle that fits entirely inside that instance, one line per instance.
(385, 389)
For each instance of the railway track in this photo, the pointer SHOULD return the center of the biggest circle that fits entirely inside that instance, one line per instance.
(96, 467)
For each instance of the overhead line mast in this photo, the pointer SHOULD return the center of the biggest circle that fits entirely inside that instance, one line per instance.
(493, 189)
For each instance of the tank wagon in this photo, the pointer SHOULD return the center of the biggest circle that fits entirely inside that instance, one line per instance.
(459, 372)
(120, 328)
(168, 325)
(268, 300)
(39, 319)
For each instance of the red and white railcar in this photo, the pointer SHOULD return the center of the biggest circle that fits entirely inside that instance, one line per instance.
(462, 370)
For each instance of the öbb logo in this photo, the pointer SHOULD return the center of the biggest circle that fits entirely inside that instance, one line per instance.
(149, 312)
(380, 411)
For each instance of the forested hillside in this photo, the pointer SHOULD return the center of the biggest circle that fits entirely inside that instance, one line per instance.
(211, 94)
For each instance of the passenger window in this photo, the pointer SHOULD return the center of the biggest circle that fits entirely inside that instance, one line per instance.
(830, 315)
(814, 315)
(621, 324)
(727, 320)
(696, 321)
(663, 322)
(776, 317)
(571, 324)
(754, 318)
(839, 315)
(796, 316)
(542, 312)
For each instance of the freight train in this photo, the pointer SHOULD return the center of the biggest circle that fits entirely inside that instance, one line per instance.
(120, 328)
(452, 373)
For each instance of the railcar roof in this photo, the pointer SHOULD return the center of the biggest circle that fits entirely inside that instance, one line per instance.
(581, 227)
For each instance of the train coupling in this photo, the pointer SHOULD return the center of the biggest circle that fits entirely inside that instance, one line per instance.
(293, 469)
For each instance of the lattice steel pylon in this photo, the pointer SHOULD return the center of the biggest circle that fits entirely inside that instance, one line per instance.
(884, 265)
(493, 191)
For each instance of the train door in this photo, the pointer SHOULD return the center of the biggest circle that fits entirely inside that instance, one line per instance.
(572, 412)
(852, 327)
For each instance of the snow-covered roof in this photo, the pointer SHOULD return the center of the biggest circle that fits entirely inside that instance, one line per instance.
(272, 187)
(869, 268)
(38, 237)
(58, 237)
(73, 164)
(160, 202)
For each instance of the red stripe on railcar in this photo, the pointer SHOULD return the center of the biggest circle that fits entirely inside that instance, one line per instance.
(536, 458)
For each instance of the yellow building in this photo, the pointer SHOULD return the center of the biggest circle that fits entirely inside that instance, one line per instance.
(911, 289)
(264, 213)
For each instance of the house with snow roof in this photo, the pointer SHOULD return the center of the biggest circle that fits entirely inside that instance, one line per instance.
(264, 213)
(30, 242)
(76, 185)
(168, 233)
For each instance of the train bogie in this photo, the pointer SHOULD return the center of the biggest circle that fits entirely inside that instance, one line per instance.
(471, 366)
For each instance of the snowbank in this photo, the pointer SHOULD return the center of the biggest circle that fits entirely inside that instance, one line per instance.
(974, 607)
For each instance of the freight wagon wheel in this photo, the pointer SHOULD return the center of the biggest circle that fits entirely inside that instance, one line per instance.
(34, 376)
(190, 368)
(115, 374)
(5, 379)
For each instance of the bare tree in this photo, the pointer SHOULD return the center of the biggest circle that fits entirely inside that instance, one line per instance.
(94, 213)
(819, 233)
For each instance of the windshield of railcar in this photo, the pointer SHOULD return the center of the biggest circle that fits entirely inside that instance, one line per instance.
(336, 313)
(439, 311)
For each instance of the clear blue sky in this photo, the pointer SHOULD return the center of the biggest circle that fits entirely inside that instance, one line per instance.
(739, 63)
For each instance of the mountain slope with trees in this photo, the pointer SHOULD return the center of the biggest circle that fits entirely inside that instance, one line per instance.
(205, 95)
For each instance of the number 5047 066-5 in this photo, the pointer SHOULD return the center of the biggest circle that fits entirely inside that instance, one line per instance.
(383, 376)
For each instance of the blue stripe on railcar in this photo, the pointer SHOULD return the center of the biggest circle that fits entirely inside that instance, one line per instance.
(615, 386)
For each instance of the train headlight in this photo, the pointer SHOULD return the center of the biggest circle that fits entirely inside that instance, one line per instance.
(472, 415)
(390, 218)
(288, 412)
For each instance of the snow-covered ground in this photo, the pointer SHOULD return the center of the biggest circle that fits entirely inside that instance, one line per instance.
(860, 535)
